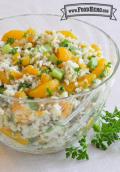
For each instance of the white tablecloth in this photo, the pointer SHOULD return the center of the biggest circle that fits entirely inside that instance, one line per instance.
(108, 161)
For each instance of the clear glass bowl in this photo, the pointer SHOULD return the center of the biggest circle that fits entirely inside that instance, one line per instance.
(25, 129)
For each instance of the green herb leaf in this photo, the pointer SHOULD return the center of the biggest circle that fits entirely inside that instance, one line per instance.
(50, 92)
(92, 63)
(107, 129)
(24, 85)
(77, 69)
(2, 89)
(61, 88)
(80, 152)
(13, 51)
(10, 41)
(65, 43)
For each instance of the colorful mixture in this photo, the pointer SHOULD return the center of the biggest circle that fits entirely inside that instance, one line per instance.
(52, 64)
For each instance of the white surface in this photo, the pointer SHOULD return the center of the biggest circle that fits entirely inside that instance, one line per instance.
(108, 161)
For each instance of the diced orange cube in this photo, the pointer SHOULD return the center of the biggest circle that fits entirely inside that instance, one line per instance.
(67, 33)
(15, 34)
(4, 78)
(41, 90)
(16, 74)
(63, 54)
(100, 68)
(30, 70)
(25, 60)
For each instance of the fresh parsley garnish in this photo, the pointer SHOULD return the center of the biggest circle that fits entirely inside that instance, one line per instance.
(10, 41)
(2, 89)
(61, 88)
(80, 152)
(58, 62)
(24, 85)
(107, 130)
(49, 92)
(65, 43)
(14, 51)
(77, 69)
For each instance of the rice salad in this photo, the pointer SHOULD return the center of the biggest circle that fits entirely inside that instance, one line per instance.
(52, 64)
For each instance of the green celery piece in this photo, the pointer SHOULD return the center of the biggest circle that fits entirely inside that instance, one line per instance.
(48, 47)
(53, 58)
(57, 73)
(93, 63)
(65, 43)
(6, 49)
(45, 48)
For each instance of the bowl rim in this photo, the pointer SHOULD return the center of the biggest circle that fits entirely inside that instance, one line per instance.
(78, 94)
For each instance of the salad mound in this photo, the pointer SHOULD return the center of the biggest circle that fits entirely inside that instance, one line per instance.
(50, 64)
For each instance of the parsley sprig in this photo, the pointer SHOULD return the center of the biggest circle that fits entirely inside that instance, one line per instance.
(106, 132)
(80, 152)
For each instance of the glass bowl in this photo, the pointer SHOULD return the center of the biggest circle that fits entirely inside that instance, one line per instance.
(25, 129)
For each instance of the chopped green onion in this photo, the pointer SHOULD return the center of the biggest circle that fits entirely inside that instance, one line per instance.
(47, 70)
(58, 62)
(77, 69)
(2, 89)
(62, 89)
(65, 43)
(24, 85)
(57, 73)
(10, 41)
(50, 92)
(92, 63)
(13, 51)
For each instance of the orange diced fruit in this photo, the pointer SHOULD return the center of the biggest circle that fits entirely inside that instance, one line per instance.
(45, 78)
(15, 58)
(4, 77)
(96, 47)
(30, 70)
(16, 74)
(100, 67)
(86, 80)
(25, 60)
(70, 88)
(63, 54)
(20, 94)
(15, 34)
(67, 33)
(41, 90)
(30, 34)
